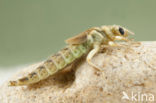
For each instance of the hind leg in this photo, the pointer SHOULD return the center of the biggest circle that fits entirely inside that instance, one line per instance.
(91, 55)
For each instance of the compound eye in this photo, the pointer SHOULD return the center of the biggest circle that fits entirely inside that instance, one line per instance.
(121, 30)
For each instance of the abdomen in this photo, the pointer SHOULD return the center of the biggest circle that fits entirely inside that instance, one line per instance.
(53, 64)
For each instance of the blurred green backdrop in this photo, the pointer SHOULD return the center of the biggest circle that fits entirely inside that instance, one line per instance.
(31, 30)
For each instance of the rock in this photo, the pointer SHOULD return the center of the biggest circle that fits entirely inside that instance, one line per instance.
(128, 74)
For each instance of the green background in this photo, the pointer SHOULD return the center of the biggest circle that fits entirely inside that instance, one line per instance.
(31, 30)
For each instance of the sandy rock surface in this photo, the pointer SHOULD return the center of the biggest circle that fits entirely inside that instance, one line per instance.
(124, 70)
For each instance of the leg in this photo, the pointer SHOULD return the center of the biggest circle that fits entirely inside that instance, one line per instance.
(121, 38)
(110, 44)
(130, 41)
(90, 56)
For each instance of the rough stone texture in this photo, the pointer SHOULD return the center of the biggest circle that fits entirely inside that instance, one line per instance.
(131, 68)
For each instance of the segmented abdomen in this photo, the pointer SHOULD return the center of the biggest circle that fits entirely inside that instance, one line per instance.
(54, 63)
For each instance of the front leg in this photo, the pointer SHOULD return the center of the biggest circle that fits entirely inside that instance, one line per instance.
(121, 38)
(113, 44)
(91, 55)
(110, 44)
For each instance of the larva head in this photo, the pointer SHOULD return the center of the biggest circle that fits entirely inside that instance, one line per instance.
(116, 32)
(120, 31)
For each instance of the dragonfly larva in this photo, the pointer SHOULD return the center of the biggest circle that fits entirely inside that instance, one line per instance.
(86, 43)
